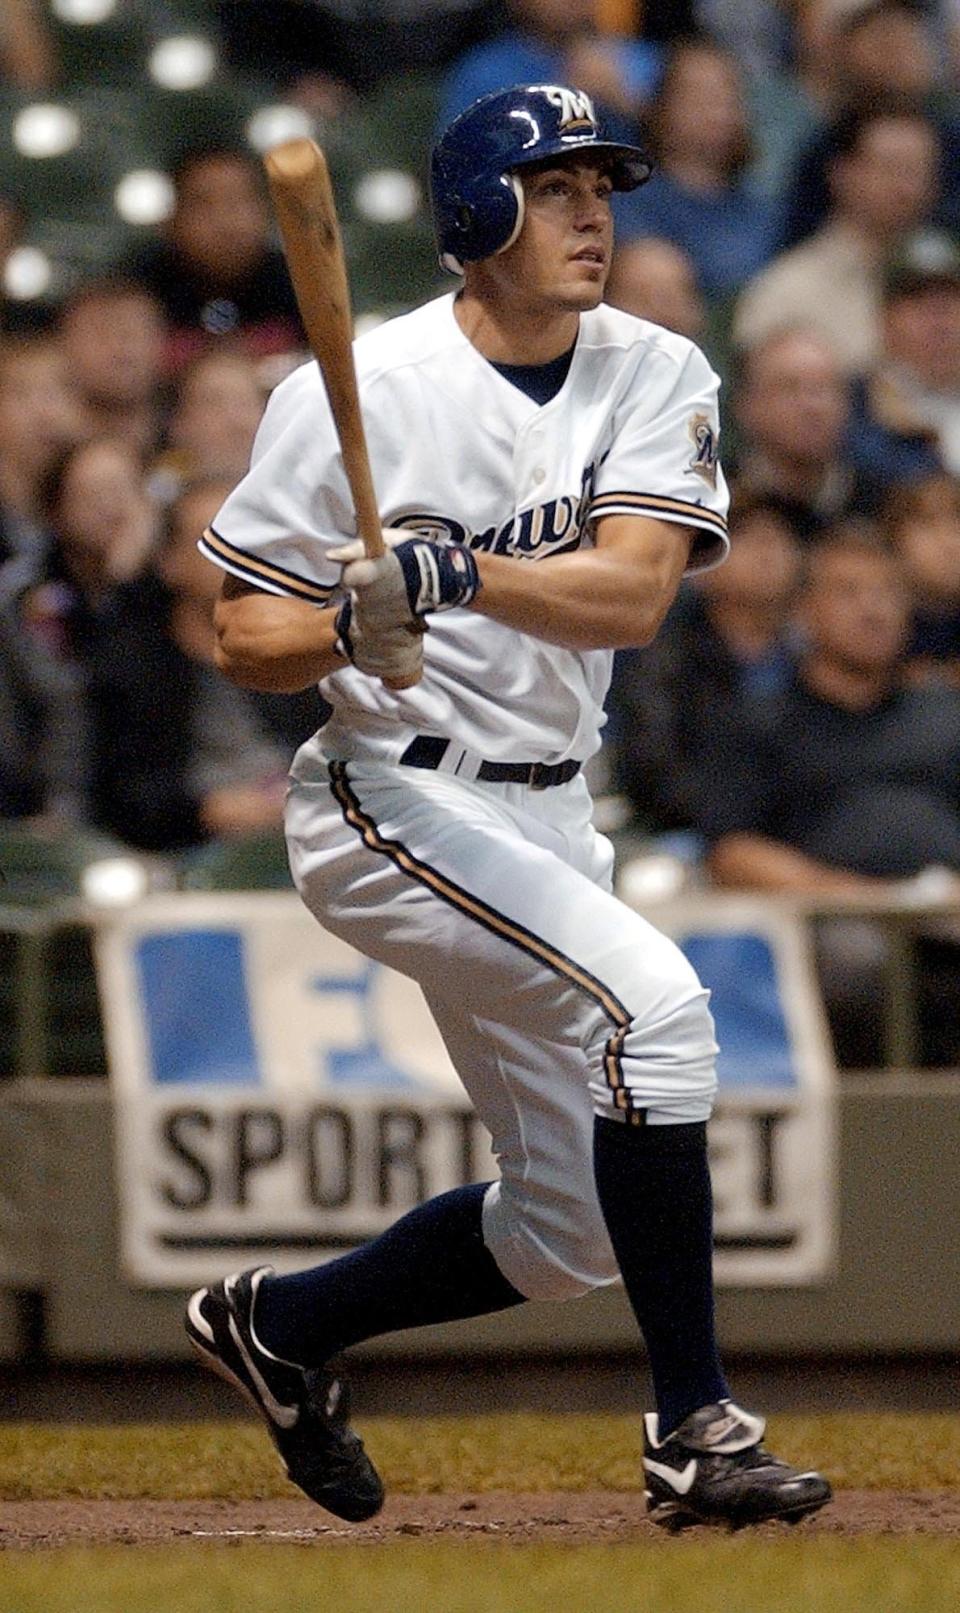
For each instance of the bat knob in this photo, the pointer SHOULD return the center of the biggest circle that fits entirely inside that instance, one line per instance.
(403, 683)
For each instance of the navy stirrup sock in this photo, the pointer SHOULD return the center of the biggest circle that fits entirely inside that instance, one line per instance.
(654, 1190)
(431, 1266)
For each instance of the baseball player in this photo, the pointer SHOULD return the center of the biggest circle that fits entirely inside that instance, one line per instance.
(546, 468)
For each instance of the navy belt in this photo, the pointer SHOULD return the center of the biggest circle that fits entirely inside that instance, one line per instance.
(430, 751)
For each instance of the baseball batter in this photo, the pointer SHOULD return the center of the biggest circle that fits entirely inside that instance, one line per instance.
(546, 469)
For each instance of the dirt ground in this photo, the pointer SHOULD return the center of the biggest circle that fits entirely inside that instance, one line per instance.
(573, 1518)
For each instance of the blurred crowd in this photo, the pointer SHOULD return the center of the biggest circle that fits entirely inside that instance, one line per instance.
(796, 726)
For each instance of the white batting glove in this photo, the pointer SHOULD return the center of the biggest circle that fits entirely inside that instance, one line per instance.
(393, 654)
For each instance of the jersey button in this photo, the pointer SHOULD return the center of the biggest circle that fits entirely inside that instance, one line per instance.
(539, 474)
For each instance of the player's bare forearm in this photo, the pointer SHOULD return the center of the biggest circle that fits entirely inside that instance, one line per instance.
(271, 642)
(613, 596)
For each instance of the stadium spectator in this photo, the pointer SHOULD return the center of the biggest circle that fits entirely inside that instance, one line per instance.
(195, 762)
(923, 521)
(112, 333)
(656, 280)
(883, 182)
(906, 414)
(215, 271)
(18, 317)
(42, 726)
(664, 20)
(760, 34)
(38, 417)
(865, 54)
(102, 526)
(28, 60)
(698, 197)
(559, 42)
(790, 408)
(847, 784)
(726, 641)
(320, 52)
(213, 419)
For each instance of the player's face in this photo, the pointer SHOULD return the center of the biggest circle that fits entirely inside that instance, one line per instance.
(561, 257)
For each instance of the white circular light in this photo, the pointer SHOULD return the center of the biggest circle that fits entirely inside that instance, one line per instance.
(115, 881)
(83, 12)
(270, 125)
(651, 877)
(183, 62)
(45, 130)
(144, 196)
(27, 273)
(387, 196)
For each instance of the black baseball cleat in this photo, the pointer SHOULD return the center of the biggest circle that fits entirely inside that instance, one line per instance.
(304, 1409)
(714, 1469)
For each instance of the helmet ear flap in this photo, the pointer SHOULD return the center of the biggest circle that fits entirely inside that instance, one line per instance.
(490, 222)
(460, 226)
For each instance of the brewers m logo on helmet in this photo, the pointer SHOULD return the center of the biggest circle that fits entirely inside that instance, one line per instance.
(575, 108)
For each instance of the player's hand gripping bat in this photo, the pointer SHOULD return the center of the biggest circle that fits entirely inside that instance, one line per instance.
(307, 218)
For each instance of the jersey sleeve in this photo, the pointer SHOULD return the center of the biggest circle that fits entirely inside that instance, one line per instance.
(664, 460)
(294, 503)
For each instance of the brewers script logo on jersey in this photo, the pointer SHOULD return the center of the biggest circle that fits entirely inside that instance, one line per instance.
(532, 534)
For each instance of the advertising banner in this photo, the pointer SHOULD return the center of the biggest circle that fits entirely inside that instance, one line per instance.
(278, 1097)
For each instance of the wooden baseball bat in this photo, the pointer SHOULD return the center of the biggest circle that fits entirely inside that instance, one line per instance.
(306, 215)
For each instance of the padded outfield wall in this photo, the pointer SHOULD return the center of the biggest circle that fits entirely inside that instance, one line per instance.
(837, 1231)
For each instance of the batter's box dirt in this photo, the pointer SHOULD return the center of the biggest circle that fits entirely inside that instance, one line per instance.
(571, 1518)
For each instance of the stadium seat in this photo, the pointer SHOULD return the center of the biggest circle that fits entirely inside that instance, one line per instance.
(392, 262)
(49, 1007)
(112, 51)
(44, 868)
(249, 862)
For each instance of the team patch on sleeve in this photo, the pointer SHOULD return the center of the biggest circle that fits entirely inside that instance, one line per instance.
(706, 449)
(261, 573)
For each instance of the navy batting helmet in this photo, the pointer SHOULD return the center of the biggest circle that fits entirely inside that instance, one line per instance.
(477, 202)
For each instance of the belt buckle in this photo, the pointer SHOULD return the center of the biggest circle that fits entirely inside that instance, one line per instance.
(537, 779)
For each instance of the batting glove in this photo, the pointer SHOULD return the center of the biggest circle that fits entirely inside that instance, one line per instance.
(394, 654)
(413, 579)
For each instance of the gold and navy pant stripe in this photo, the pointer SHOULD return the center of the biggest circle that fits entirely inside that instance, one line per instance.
(507, 929)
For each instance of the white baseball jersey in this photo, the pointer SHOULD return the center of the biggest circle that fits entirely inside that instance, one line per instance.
(563, 1003)
(459, 453)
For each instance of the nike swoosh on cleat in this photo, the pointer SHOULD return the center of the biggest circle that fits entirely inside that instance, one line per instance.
(283, 1416)
(681, 1482)
(197, 1317)
(717, 1432)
